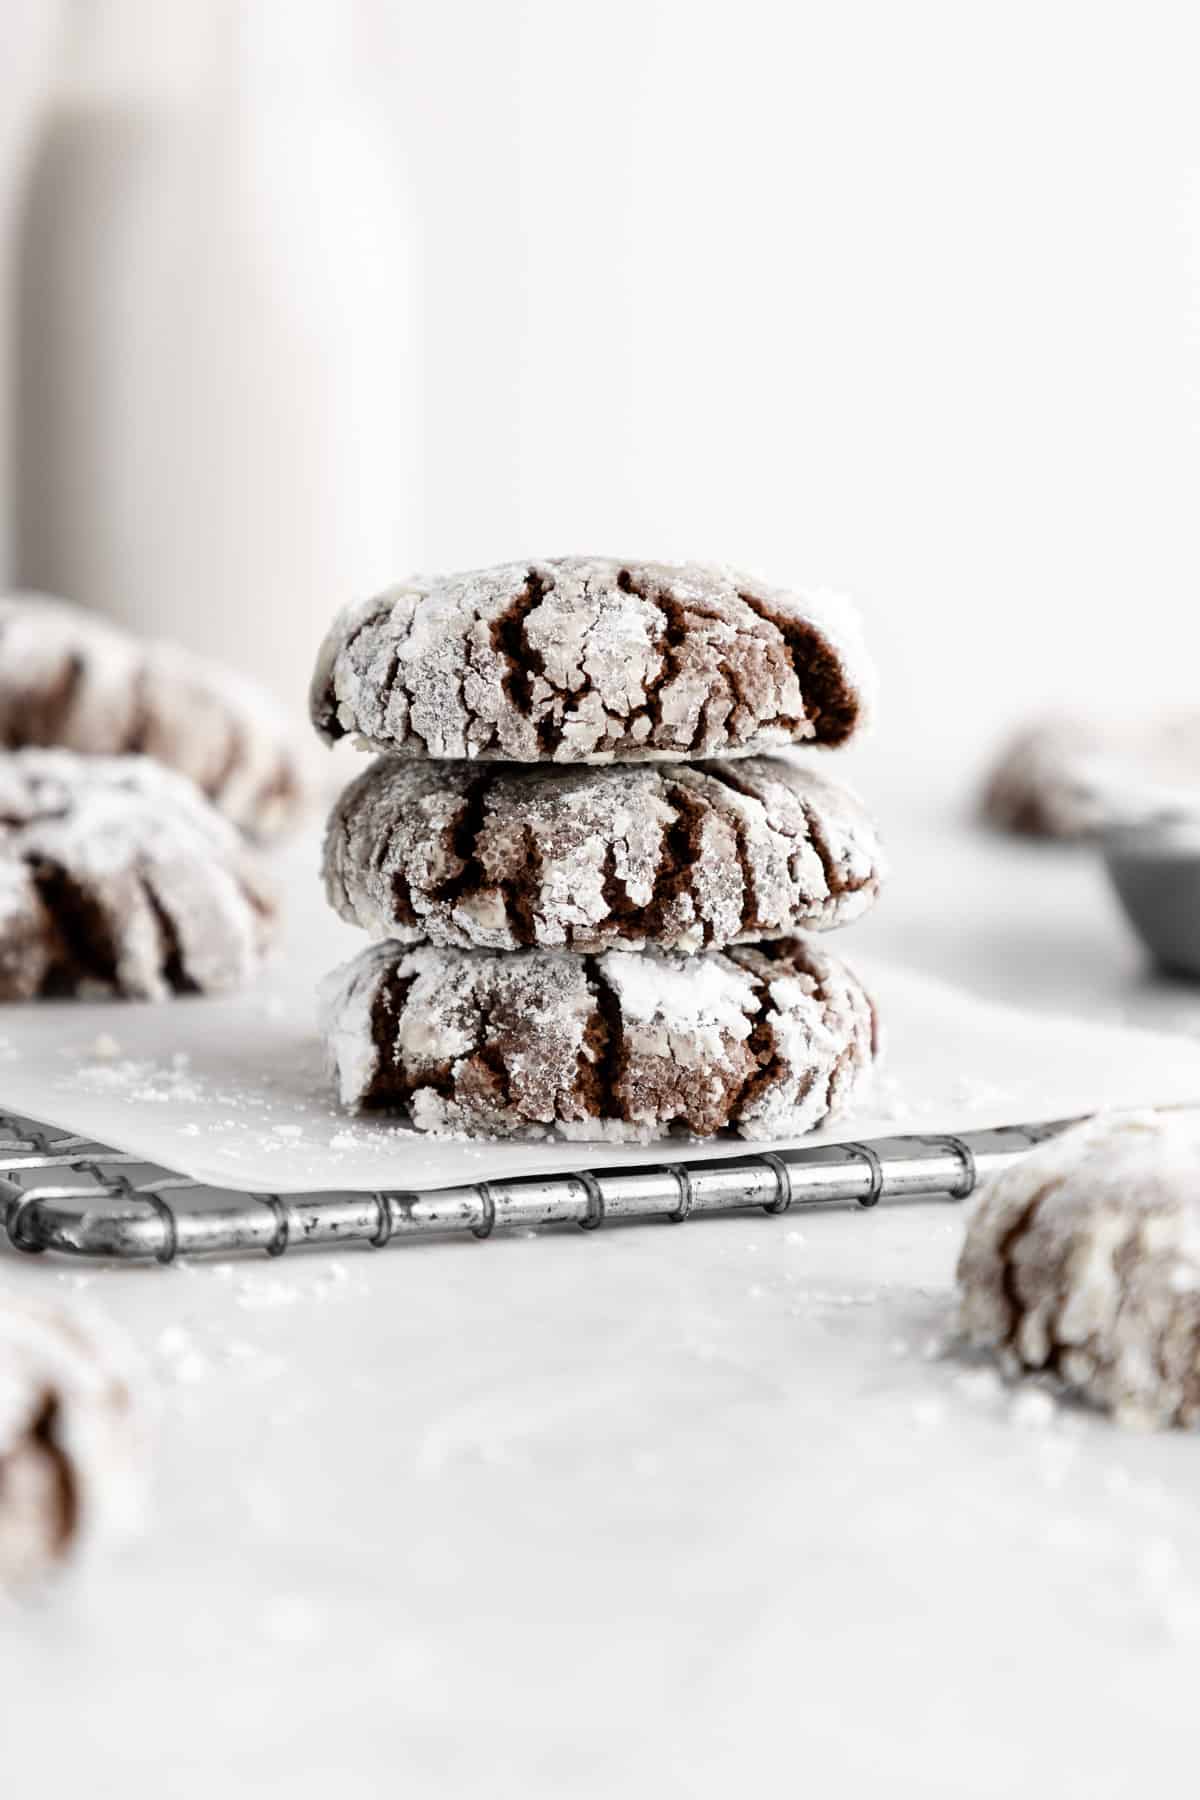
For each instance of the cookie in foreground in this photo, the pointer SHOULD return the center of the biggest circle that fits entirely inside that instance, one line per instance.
(768, 1041)
(674, 856)
(69, 680)
(118, 877)
(589, 659)
(1083, 1261)
(72, 1436)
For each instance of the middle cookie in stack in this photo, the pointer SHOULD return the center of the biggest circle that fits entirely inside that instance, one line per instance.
(576, 966)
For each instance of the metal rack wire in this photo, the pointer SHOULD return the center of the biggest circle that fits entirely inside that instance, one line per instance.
(72, 1195)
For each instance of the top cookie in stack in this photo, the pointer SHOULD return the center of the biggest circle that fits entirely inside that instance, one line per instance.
(575, 928)
(587, 660)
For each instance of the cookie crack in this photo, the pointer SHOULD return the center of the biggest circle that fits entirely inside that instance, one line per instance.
(830, 705)
(230, 762)
(524, 662)
(389, 1086)
(1006, 1248)
(836, 884)
(487, 1055)
(518, 893)
(84, 948)
(464, 842)
(679, 853)
(671, 641)
(44, 719)
(725, 777)
(793, 951)
(750, 919)
(170, 949)
(45, 1433)
(604, 1070)
(141, 713)
(327, 718)
(763, 1048)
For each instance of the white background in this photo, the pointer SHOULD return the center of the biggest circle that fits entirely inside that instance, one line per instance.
(900, 299)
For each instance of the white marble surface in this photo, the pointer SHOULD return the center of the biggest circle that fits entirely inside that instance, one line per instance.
(650, 1511)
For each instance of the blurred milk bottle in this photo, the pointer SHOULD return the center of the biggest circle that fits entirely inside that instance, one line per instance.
(218, 425)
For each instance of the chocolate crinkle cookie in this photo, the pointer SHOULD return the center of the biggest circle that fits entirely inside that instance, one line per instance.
(1075, 778)
(1083, 1260)
(678, 856)
(72, 1465)
(118, 877)
(69, 680)
(625, 1045)
(591, 660)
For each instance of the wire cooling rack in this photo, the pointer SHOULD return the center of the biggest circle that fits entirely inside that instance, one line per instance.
(75, 1196)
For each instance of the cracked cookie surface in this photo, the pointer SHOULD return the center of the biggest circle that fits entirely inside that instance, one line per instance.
(769, 1041)
(1083, 1260)
(587, 659)
(677, 856)
(69, 680)
(118, 877)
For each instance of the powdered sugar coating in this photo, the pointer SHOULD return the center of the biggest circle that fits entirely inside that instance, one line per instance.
(117, 876)
(769, 1042)
(71, 1436)
(588, 659)
(70, 680)
(678, 856)
(1074, 778)
(1084, 1260)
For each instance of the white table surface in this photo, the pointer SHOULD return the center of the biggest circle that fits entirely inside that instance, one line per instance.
(646, 1511)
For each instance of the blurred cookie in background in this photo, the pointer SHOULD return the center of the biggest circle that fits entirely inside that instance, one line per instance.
(1075, 778)
(118, 878)
(70, 680)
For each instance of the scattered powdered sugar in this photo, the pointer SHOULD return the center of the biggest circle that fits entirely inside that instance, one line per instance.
(151, 1083)
(969, 1092)
(347, 1139)
(979, 1384)
(927, 1412)
(1033, 1409)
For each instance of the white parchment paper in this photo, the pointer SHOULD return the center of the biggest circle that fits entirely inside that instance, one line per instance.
(234, 1092)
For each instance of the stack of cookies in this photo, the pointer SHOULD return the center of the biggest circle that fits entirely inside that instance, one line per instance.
(584, 879)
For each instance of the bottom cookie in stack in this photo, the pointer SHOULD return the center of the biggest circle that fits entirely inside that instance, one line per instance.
(768, 1040)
